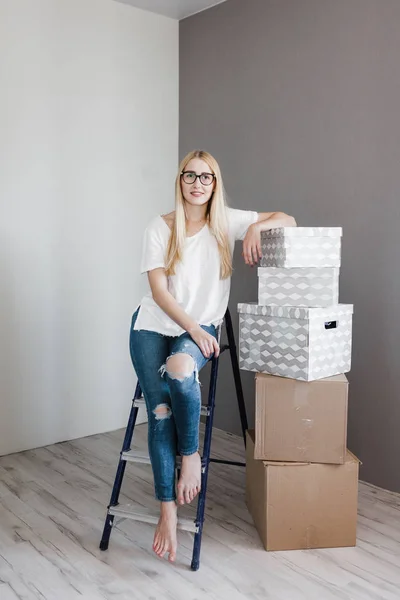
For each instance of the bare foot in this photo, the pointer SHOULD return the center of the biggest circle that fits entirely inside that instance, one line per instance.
(165, 535)
(189, 483)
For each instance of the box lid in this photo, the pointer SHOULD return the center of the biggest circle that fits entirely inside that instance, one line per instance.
(349, 458)
(340, 378)
(296, 312)
(298, 272)
(332, 232)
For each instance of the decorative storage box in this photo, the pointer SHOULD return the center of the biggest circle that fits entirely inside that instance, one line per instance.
(301, 247)
(298, 286)
(301, 343)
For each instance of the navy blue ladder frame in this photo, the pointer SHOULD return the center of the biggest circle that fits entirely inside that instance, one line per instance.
(208, 410)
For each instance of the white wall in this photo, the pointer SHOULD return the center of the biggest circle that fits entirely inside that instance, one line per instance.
(88, 154)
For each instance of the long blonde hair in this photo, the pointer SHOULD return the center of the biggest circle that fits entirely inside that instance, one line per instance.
(216, 218)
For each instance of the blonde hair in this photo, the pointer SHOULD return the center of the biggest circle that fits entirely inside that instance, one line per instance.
(216, 218)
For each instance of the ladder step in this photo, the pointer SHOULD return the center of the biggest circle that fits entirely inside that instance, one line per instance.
(145, 515)
(136, 456)
(139, 402)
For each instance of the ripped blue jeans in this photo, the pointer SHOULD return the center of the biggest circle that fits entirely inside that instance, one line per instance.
(175, 429)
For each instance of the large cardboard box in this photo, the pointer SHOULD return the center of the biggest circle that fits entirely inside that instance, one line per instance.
(298, 286)
(301, 421)
(302, 505)
(301, 247)
(298, 342)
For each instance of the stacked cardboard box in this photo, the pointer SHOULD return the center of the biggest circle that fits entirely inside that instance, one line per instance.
(301, 481)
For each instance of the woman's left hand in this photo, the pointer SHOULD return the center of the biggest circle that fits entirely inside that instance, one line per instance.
(252, 245)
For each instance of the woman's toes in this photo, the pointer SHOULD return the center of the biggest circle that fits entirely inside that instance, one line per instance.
(172, 556)
(180, 497)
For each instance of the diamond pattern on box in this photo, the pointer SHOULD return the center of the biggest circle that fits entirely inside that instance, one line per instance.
(301, 343)
(298, 286)
(301, 247)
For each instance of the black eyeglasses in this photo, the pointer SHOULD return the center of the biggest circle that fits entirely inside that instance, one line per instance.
(190, 177)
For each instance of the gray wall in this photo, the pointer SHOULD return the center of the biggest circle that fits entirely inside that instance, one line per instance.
(299, 100)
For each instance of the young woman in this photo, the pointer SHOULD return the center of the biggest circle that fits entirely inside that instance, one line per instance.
(187, 255)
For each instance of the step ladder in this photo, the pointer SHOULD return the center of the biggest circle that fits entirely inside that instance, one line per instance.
(127, 455)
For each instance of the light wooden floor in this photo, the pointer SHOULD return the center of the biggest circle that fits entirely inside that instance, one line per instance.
(52, 508)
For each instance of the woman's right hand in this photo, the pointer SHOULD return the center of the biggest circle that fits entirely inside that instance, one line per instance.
(205, 341)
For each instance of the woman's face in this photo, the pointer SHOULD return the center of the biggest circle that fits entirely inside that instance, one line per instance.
(197, 191)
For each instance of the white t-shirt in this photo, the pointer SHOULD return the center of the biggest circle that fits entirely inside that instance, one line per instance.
(196, 285)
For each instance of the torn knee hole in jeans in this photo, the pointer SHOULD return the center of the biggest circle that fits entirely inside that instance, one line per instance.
(179, 375)
(162, 411)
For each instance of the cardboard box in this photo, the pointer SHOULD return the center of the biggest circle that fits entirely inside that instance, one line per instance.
(302, 505)
(301, 421)
(301, 247)
(298, 286)
(299, 342)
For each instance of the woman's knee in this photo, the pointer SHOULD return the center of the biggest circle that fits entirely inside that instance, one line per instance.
(162, 411)
(180, 366)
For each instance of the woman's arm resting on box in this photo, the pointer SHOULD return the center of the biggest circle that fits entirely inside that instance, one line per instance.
(252, 242)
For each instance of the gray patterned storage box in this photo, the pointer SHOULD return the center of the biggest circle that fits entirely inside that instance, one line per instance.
(301, 247)
(298, 286)
(301, 343)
